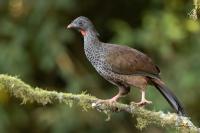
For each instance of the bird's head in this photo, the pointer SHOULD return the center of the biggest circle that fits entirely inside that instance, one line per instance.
(83, 25)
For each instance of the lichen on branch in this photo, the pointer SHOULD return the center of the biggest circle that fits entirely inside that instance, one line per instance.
(17, 88)
(195, 12)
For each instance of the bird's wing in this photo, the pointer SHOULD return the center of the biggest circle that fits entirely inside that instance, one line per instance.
(129, 61)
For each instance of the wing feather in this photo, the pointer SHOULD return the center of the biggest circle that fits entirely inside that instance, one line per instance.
(128, 61)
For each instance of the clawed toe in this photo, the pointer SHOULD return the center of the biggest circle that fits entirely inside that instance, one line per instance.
(108, 102)
(143, 103)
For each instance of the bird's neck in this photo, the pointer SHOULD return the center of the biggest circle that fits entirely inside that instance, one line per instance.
(91, 39)
(92, 47)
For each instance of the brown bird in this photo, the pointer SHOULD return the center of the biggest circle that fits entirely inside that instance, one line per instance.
(122, 66)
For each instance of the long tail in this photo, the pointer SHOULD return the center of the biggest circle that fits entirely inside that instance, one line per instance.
(169, 96)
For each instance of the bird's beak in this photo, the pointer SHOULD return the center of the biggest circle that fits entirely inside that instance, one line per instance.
(70, 26)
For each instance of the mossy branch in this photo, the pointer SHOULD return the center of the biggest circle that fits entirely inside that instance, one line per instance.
(195, 12)
(26, 93)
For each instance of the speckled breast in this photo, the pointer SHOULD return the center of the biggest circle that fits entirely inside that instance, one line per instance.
(97, 58)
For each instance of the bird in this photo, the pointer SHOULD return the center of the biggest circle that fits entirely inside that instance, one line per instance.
(122, 66)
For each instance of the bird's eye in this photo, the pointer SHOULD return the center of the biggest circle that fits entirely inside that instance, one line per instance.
(80, 23)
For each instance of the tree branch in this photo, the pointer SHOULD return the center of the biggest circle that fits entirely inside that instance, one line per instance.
(26, 93)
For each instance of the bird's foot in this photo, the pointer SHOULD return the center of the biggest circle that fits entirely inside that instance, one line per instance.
(107, 101)
(110, 102)
(142, 102)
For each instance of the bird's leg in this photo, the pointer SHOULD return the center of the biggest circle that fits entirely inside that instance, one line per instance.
(122, 91)
(143, 99)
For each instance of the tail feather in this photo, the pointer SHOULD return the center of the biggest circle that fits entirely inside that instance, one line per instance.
(169, 96)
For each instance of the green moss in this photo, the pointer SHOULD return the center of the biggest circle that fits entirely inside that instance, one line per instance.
(108, 114)
(141, 123)
(69, 103)
(84, 104)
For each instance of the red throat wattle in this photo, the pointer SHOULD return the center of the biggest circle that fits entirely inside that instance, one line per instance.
(83, 32)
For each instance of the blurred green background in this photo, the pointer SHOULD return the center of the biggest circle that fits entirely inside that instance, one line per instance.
(36, 46)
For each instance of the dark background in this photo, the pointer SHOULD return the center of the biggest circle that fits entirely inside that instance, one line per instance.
(36, 46)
